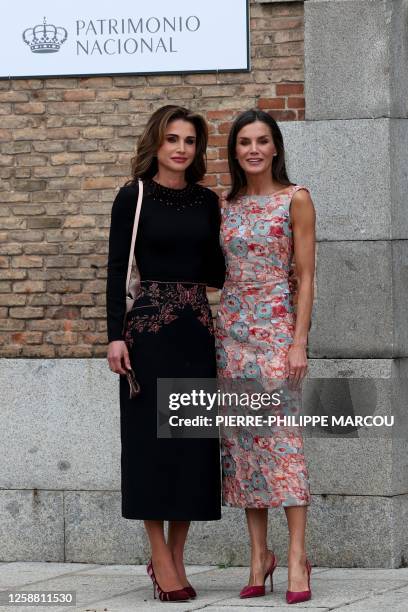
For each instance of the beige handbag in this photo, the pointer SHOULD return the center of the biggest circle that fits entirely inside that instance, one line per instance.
(133, 286)
(133, 274)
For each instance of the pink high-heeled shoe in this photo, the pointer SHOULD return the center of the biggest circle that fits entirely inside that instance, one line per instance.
(259, 590)
(177, 595)
(299, 596)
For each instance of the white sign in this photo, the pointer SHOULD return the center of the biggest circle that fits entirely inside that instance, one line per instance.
(94, 37)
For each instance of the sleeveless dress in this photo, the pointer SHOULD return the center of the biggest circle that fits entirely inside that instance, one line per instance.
(255, 328)
(169, 334)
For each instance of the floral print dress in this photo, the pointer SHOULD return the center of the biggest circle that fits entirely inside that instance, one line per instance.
(255, 328)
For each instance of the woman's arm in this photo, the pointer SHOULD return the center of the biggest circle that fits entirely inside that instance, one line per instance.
(303, 219)
(215, 260)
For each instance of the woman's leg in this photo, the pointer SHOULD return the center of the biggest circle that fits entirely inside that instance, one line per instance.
(261, 558)
(163, 564)
(297, 573)
(176, 540)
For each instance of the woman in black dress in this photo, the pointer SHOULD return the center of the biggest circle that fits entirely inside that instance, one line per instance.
(168, 334)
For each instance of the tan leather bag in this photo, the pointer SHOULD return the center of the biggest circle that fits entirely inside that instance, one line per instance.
(133, 274)
(133, 286)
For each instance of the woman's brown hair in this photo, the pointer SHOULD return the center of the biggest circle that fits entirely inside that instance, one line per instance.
(238, 178)
(144, 163)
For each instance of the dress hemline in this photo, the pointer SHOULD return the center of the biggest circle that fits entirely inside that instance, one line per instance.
(170, 518)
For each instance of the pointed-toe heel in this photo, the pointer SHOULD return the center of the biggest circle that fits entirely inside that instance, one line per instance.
(299, 596)
(177, 595)
(259, 590)
(191, 591)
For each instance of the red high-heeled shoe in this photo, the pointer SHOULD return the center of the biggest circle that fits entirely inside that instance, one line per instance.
(177, 595)
(299, 596)
(191, 591)
(259, 590)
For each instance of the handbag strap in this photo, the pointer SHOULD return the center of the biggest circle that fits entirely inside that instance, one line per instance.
(132, 256)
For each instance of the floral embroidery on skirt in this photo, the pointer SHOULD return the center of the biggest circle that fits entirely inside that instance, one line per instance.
(160, 303)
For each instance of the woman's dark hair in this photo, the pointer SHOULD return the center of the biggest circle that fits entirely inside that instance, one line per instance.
(144, 163)
(238, 178)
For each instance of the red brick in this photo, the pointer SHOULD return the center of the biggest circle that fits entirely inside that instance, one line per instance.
(63, 312)
(75, 352)
(96, 82)
(27, 338)
(283, 115)
(28, 312)
(217, 166)
(210, 180)
(220, 114)
(28, 286)
(61, 337)
(99, 183)
(270, 103)
(11, 350)
(218, 140)
(79, 95)
(30, 108)
(46, 351)
(284, 89)
(11, 324)
(225, 127)
(225, 180)
(296, 103)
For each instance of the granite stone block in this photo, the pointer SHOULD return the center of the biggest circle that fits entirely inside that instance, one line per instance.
(59, 424)
(356, 173)
(31, 526)
(95, 530)
(353, 59)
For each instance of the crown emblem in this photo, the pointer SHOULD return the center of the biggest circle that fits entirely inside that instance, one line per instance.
(45, 38)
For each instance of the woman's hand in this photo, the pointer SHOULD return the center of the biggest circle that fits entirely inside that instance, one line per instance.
(297, 362)
(118, 357)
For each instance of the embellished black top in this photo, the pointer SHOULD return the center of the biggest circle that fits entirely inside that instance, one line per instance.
(177, 240)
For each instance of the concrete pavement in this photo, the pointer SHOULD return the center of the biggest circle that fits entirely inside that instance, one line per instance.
(127, 588)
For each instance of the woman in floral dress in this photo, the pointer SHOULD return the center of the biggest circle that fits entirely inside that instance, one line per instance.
(266, 222)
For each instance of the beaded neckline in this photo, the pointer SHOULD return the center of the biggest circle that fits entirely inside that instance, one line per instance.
(180, 199)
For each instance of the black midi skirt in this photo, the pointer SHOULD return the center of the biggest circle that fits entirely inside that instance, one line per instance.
(169, 334)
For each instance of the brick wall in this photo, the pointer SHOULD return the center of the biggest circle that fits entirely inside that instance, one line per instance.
(65, 147)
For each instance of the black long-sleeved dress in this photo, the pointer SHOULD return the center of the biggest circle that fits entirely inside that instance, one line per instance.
(169, 334)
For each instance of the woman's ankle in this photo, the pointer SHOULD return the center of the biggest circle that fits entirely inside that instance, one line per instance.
(260, 554)
(177, 555)
(297, 556)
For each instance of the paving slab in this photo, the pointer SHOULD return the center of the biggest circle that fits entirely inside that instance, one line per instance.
(142, 599)
(395, 600)
(369, 573)
(88, 588)
(24, 573)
